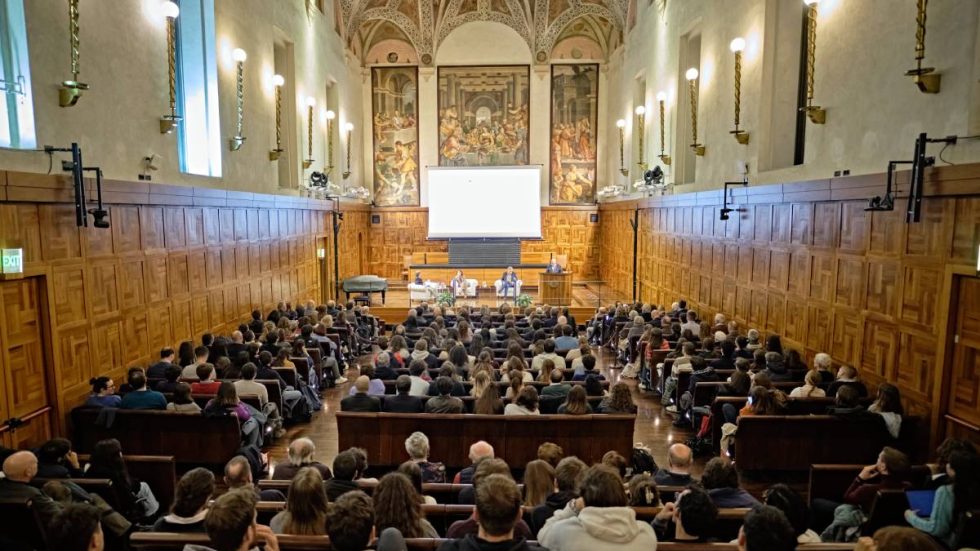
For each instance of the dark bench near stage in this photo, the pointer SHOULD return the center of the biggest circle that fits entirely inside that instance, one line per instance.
(546, 404)
(189, 439)
(794, 442)
(514, 437)
(502, 387)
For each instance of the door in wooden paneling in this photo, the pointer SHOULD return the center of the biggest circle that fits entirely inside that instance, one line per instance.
(24, 382)
(964, 376)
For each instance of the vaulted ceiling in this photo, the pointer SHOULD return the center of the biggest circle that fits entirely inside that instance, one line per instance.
(412, 30)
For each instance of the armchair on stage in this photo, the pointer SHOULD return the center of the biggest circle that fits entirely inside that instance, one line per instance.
(467, 290)
(423, 292)
(511, 292)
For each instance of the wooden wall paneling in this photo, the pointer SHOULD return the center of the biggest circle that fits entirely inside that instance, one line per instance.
(59, 234)
(20, 227)
(151, 229)
(125, 227)
(22, 352)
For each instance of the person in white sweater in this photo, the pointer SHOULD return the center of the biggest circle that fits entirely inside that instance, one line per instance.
(599, 519)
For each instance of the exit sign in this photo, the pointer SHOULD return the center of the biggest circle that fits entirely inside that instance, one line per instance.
(13, 260)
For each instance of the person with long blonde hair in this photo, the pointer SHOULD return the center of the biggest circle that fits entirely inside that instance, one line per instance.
(480, 383)
(539, 482)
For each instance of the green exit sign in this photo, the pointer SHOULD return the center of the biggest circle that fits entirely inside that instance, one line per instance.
(13, 260)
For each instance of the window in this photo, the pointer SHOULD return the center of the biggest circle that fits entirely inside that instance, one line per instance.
(17, 114)
(784, 86)
(199, 133)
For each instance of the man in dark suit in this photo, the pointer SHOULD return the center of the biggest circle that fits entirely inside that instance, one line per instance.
(19, 469)
(159, 369)
(508, 282)
(553, 267)
(360, 401)
(403, 402)
(847, 376)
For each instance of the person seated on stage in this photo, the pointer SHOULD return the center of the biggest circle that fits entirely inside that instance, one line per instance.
(458, 283)
(553, 267)
(418, 278)
(508, 281)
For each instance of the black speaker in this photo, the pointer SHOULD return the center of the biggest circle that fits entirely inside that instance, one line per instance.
(594, 218)
(375, 219)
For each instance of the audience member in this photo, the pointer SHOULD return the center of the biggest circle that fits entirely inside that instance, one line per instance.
(247, 385)
(306, 506)
(359, 400)
(620, 400)
(568, 478)
(171, 378)
(417, 446)
(140, 397)
(206, 380)
(398, 505)
(444, 402)
(888, 405)
(230, 525)
(183, 401)
(548, 354)
(945, 450)
(792, 505)
(190, 505)
(678, 471)
(345, 473)
(809, 388)
(766, 528)
(159, 369)
(952, 500)
(76, 528)
(485, 468)
(551, 453)
(557, 387)
(135, 498)
(847, 376)
(489, 403)
(720, 479)
(402, 401)
(299, 455)
(189, 372)
(539, 482)
(525, 404)
(575, 402)
(238, 475)
(498, 510)
(689, 519)
(888, 473)
(598, 519)
(103, 393)
(643, 491)
(56, 459)
(897, 538)
(478, 451)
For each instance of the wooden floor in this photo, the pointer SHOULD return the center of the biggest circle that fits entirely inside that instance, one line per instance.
(653, 426)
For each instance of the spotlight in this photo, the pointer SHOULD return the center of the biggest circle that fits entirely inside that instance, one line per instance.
(654, 177)
(99, 217)
(724, 213)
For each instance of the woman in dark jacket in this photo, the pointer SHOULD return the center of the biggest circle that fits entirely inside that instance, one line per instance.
(136, 500)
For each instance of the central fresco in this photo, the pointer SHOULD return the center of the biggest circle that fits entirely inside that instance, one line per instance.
(483, 115)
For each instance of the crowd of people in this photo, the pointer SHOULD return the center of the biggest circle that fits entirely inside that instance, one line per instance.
(554, 502)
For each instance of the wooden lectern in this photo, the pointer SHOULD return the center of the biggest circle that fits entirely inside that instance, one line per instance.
(555, 289)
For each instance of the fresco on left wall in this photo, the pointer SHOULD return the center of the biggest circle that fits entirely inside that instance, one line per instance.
(394, 92)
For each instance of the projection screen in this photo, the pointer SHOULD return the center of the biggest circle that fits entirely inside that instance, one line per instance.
(502, 201)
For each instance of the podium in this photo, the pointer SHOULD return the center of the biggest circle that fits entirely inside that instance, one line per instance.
(555, 289)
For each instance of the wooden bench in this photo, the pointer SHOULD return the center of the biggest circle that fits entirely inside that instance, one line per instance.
(189, 439)
(158, 471)
(794, 442)
(831, 481)
(546, 405)
(705, 392)
(19, 523)
(515, 438)
(501, 387)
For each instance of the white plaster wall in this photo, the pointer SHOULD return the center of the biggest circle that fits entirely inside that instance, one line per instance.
(123, 59)
(864, 48)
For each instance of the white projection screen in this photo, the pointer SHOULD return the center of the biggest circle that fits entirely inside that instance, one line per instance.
(502, 201)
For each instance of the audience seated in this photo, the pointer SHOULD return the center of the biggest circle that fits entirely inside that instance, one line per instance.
(678, 471)
(306, 506)
(525, 404)
(444, 402)
(557, 387)
(809, 388)
(136, 499)
(847, 376)
(359, 400)
(56, 459)
(689, 519)
(230, 525)
(76, 528)
(598, 519)
(568, 478)
(620, 400)
(19, 469)
(139, 396)
(158, 370)
(417, 446)
(498, 510)
(487, 467)
(190, 505)
(189, 373)
(478, 451)
(397, 505)
(551, 453)
(961, 494)
(897, 538)
(766, 528)
(206, 380)
(720, 479)
(539, 482)
(238, 475)
(103, 393)
(247, 385)
(575, 403)
(548, 354)
(888, 473)
(403, 401)
(888, 404)
(792, 505)
(351, 525)
(299, 455)
(345, 472)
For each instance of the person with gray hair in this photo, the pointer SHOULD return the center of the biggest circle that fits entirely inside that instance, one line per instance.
(822, 363)
(299, 455)
(417, 446)
(776, 368)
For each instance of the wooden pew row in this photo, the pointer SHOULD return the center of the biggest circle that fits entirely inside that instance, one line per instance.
(546, 404)
(796, 406)
(159, 471)
(443, 493)
(831, 481)
(794, 442)
(161, 541)
(515, 438)
(189, 439)
(704, 393)
(271, 386)
(502, 387)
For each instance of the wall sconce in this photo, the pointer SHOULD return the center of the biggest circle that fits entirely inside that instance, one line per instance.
(330, 116)
(662, 101)
(277, 83)
(310, 104)
(71, 90)
(321, 253)
(621, 125)
(639, 132)
(168, 123)
(737, 46)
(238, 55)
(816, 114)
(692, 80)
(349, 127)
(926, 78)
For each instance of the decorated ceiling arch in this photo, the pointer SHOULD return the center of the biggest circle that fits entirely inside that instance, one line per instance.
(411, 31)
